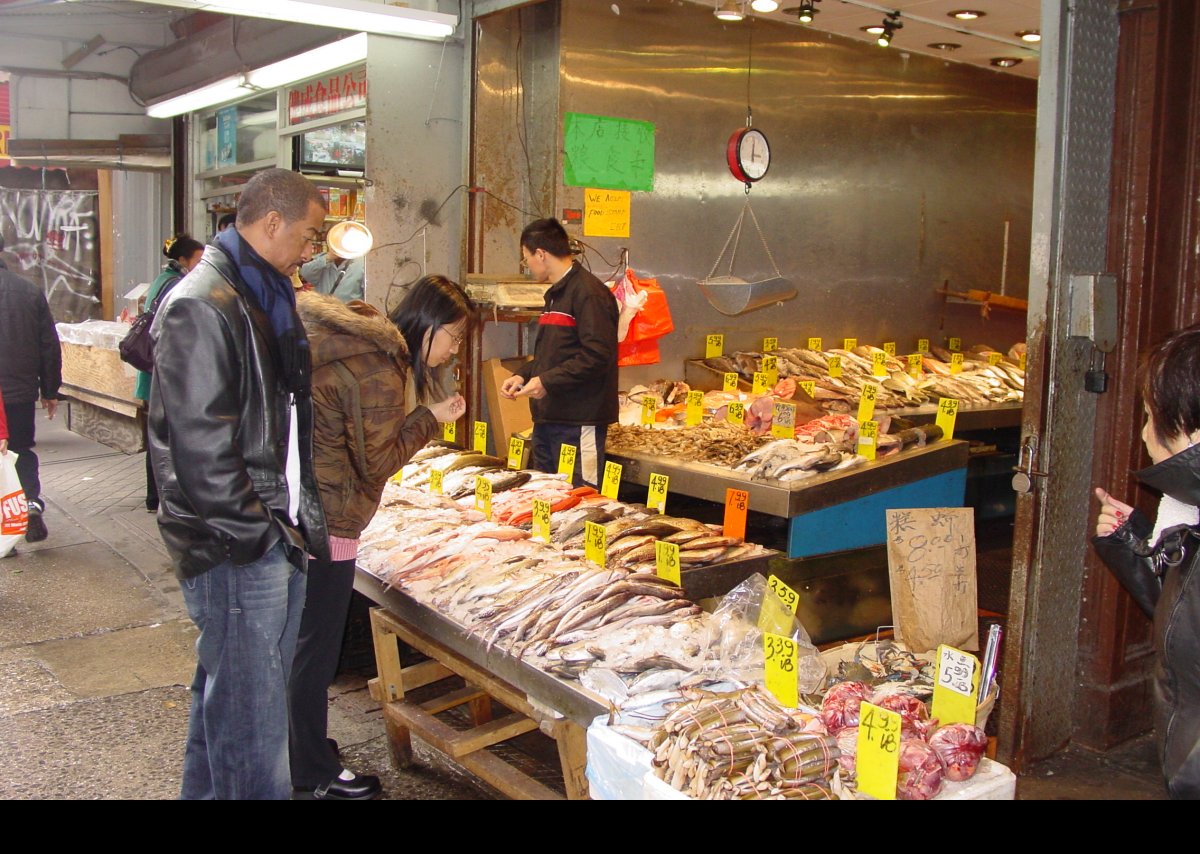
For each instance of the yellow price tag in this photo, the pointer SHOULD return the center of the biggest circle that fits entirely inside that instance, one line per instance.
(612, 480)
(516, 452)
(810, 388)
(868, 438)
(695, 408)
(770, 345)
(483, 496)
(947, 412)
(878, 752)
(435, 482)
(770, 367)
(955, 687)
(649, 409)
(955, 345)
(714, 345)
(783, 420)
(879, 363)
(889, 347)
(480, 434)
(595, 543)
(761, 383)
(783, 660)
(656, 498)
(995, 358)
(815, 344)
(541, 520)
(789, 597)
(866, 403)
(666, 562)
(1022, 363)
(915, 362)
(449, 431)
(956, 363)
(737, 507)
(730, 382)
(849, 343)
(736, 413)
(922, 345)
(566, 459)
(835, 367)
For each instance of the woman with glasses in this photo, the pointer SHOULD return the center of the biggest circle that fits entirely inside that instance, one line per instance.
(372, 384)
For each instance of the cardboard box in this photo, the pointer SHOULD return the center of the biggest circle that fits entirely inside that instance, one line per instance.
(506, 417)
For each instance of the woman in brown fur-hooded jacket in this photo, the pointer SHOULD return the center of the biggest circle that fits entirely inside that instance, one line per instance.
(363, 433)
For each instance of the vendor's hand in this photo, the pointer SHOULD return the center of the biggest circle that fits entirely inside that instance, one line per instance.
(533, 388)
(3, 447)
(450, 409)
(1113, 513)
(512, 387)
(51, 407)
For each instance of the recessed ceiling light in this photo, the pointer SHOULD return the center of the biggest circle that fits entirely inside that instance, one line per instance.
(944, 46)
(1029, 36)
(764, 6)
(874, 29)
(966, 14)
(1005, 61)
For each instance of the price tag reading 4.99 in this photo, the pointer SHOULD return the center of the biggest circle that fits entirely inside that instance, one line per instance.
(868, 439)
(649, 409)
(736, 413)
(666, 561)
(866, 403)
(878, 752)
(656, 498)
(954, 690)
(566, 459)
(947, 413)
(783, 420)
(449, 431)
(541, 520)
(714, 346)
(480, 444)
(516, 452)
(483, 496)
(695, 408)
(595, 543)
(783, 660)
(612, 480)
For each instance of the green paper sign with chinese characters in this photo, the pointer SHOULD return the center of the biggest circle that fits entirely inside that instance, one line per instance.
(608, 153)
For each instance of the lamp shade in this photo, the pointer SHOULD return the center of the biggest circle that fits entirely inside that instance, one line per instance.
(349, 239)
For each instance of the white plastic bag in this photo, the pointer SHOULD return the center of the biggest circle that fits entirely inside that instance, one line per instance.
(15, 517)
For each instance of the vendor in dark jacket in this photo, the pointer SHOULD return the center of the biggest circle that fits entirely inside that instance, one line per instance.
(572, 380)
(1160, 564)
(231, 440)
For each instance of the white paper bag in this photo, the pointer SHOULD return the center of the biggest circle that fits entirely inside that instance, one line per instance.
(15, 512)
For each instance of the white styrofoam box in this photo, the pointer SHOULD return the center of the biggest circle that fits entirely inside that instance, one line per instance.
(615, 764)
(992, 782)
(654, 789)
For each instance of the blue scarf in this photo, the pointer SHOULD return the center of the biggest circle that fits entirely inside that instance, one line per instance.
(273, 293)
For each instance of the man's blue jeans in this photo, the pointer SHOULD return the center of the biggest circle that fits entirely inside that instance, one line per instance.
(249, 617)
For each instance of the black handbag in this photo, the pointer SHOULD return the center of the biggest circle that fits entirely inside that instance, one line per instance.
(137, 347)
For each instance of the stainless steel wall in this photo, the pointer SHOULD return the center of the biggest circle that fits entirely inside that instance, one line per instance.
(892, 174)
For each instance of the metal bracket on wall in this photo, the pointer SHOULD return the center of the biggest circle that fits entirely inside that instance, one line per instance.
(1093, 309)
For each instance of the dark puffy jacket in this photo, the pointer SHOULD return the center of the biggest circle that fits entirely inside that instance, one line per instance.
(30, 358)
(1165, 581)
(576, 353)
(218, 429)
(361, 435)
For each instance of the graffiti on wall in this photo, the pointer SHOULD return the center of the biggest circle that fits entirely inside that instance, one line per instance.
(50, 238)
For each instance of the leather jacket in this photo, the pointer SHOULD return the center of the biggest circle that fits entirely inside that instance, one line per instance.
(1164, 579)
(218, 429)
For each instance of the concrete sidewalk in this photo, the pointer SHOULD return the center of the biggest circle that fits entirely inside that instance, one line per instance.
(96, 649)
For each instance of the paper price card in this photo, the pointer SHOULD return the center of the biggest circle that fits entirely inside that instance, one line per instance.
(649, 410)
(761, 383)
(483, 496)
(566, 459)
(782, 660)
(889, 347)
(770, 367)
(736, 413)
(868, 438)
(922, 345)
(666, 562)
(789, 597)
(449, 431)
(770, 345)
(595, 543)
(879, 363)
(810, 388)
(612, 480)
(435, 482)
(995, 358)
(516, 452)
(783, 423)
(656, 498)
(849, 343)
(714, 345)
(915, 361)
(954, 690)
(737, 506)
(835, 367)
(730, 381)
(480, 435)
(695, 408)
(946, 414)
(878, 752)
(815, 344)
(956, 363)
(955, 345)
(866, 403)
(541, 520)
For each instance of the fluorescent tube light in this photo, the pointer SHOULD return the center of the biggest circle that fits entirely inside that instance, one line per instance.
(214, 93)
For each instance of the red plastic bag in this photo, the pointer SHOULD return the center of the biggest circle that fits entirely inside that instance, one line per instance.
(653, 321)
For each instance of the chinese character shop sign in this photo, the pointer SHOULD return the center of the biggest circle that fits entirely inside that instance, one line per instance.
(326, 96)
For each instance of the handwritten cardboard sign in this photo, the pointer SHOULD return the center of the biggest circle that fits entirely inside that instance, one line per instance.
(931, 562)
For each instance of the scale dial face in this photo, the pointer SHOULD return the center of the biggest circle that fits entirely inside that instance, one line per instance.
(748, 154)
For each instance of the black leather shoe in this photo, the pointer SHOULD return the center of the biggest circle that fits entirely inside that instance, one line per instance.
(364, 787)
(36, 532)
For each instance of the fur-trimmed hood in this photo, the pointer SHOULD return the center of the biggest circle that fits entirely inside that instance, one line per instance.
(338, 330)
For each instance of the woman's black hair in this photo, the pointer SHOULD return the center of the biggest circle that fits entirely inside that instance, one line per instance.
(1171, 384)
(431, 303)
(183, 246)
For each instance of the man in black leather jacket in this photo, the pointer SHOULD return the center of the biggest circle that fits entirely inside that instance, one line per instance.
(230, 433)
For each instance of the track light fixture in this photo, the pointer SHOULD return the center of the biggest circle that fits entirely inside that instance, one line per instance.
(807, 11)
(890, 24)
(730, 10)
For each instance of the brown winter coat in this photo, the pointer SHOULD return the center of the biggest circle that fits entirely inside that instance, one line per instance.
(361, 435)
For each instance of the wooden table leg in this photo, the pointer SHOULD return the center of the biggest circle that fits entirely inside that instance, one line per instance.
(391, 686)
(480, 708)
(572, 753)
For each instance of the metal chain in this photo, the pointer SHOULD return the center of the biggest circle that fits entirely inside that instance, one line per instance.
(737, 226)
(766, 248)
